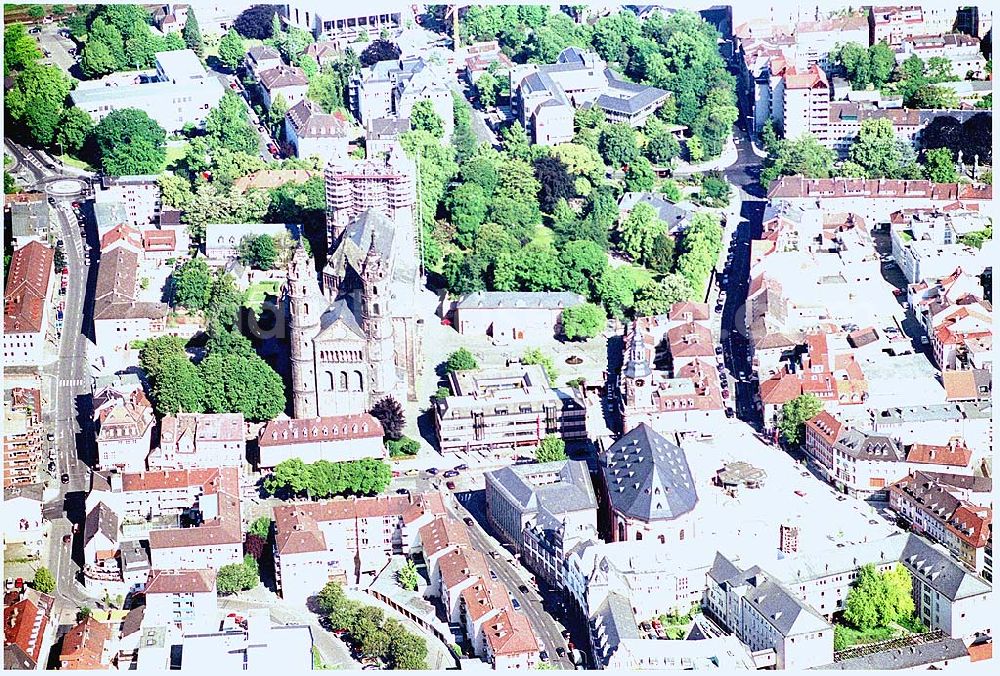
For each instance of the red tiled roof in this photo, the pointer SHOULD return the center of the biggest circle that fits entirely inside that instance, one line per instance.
(27, 287)
(960, 385)
(691, 339)
(955, 454)
(825, 426)
(19, 621)
(972, 525)
(981, 651)
(329, 428)
(181, 581)
(212, 480)
(812, 78)
(121, 233)
(160, 240)
(225, 529)
(798, 186)
(510, 633)
(461, 565)
(83, 646)
(483, 597)
(698, 311)
(441, 533)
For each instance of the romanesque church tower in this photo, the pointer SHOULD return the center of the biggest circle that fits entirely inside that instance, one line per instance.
(307, 306)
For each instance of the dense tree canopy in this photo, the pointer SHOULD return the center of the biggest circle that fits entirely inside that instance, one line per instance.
(795, 413)
(322, 479)
(583, 321)
(231, 50)
(390, 413)
(804, 156)
(130, 143)
(37, 100)
(551, 449)
(255, 22)
(379, 50)
(423, 117)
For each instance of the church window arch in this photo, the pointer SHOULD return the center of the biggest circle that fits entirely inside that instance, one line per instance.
(343, 380)
(305, 308)
(638, 535)
(330, 383)
(359, 382)
(375, 308)
(621, 532)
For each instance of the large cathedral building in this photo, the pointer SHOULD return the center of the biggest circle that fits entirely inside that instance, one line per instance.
(357, 338)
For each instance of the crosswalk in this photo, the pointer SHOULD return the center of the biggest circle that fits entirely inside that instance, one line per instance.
(72, 383)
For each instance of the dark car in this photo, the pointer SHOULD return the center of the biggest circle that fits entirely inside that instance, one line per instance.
(468, 520)
(725, 393)
(67, 538)
(730, 413)
(523, 588)
(514, 602)
(461, 468)
(718, 349)
(841, 498)
(450, 473)
(718, 309)
(432, 471)
(561, 652)
(493, 574)
(872, 522)
(543, 656)
(64, 478)
(450, 485)
(52, 467)
(402, 491)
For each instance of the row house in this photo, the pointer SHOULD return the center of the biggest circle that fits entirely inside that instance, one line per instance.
(260, 58)
(865, 464)
(437, 539)
(344, 539)
(876, 198)
(120, 315)
(835, 378)
(88, 645)
(27, 315)
(926, 243)
(894, 24)
(28, 628)
(506, 408)
(330, 438)
(152, 495)
(200, 441)
(952, 509)
(186, 599)
(216, 540)
(670, 380)
(22, 436)
(123, 423)
(961, 336)
(933, 294)
(961, 51)
(101, 542)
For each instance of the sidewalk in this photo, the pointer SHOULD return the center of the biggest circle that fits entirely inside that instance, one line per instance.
(728, 158)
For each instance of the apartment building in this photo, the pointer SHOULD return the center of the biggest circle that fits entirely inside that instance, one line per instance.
(928, 242)
(510, 642)
(138, 195)
(182, 92)
(289, 82)
(30, 216)
(260, 58)
(541, 506)
(876, 198)
(28, 628)
(27, 317)
(767, 616)
(330, 22)
(22, 436)
(962, 52)
(88, 645)
(185, 599)
(801, 103)
(961, 336)
(124, 422)
(392, 88)
(649, 488)
(330, 438)
(512, 316)
(846, 118)
(676, 389)
(312, 132)
(507, 408)
(349, 540)
(120, 316)
(545, 97)
(437, 541)
(200, 441)
(894, 24)
(215, 542)
(952, 509)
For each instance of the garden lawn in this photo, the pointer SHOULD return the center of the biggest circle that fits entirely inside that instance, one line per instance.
(845, 636)
(175, 152)
(259, 292)
(71, 161)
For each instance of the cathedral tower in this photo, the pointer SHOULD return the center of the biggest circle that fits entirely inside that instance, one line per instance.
(306, 305)
(376, 322)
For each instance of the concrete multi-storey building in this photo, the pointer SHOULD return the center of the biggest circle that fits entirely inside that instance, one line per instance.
(846, 118)
(185, 599)
(344, 24)
(542, 506)
(545, 97)
(27, 316)
(349, 540)
(138, 195)
(182, 93)
(649, 489)
(801, 103)
(330, 438)
(200, 441)
(22, 436)
(894, 24)
(505, 409)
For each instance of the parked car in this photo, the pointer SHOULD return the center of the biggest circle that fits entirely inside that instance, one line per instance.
(412, 472)
(801, 494)
(561, 652)
(718, 349)
(468, 520)
(514, 602)
(67, 539)
(841, 498)
(432, 471)
(450, 473)
(450, 485)
(730, 413)
(523, 588)
(461, 468)
(924, 340)
(396, 474)
(234, 85)
(725, 393)
(543, 656)
(402, 491)
(493, 574)
(873, 522)
(64, 478)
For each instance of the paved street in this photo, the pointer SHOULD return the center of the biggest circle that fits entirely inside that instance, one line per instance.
(57, 46)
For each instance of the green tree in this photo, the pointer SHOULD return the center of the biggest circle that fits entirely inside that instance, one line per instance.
(715, 189)
(36, 101)
(583, 321)
(36, 11)
(661, 145)
(468, 206)
(769, 137)
(551, 449)
(804, 156)
(130, 143)
(236, 383)
(276, 113)
(536, 356)
(408, 577)
(178, 387)
(423, 117)
(231, 50)
(616, 289)
(487, 87)
(660, 257)
(933, 96)
(156, 352)
(656, 297)
(337, 607)
(877, 149)
(175, 191)
(261, 527)
(259, 251)
(236, 577)
(555, 182)
(192, 34)
(696, 149)
(173, 42)
(640, 176)
(939, 166)
(44, 581)
(368, 632)
(406, 446)
(795, 413)
(618, 145)
(19, 49)
(228, 126)
(639, 231)
(98, 59)
(192, 284)
(461, 360)
(583, 263)
(390, 413)
(978, 238)
(406, 650)
(514, 202)
(74, 130)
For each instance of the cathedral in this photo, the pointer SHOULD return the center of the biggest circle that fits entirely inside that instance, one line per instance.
(357, 338)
